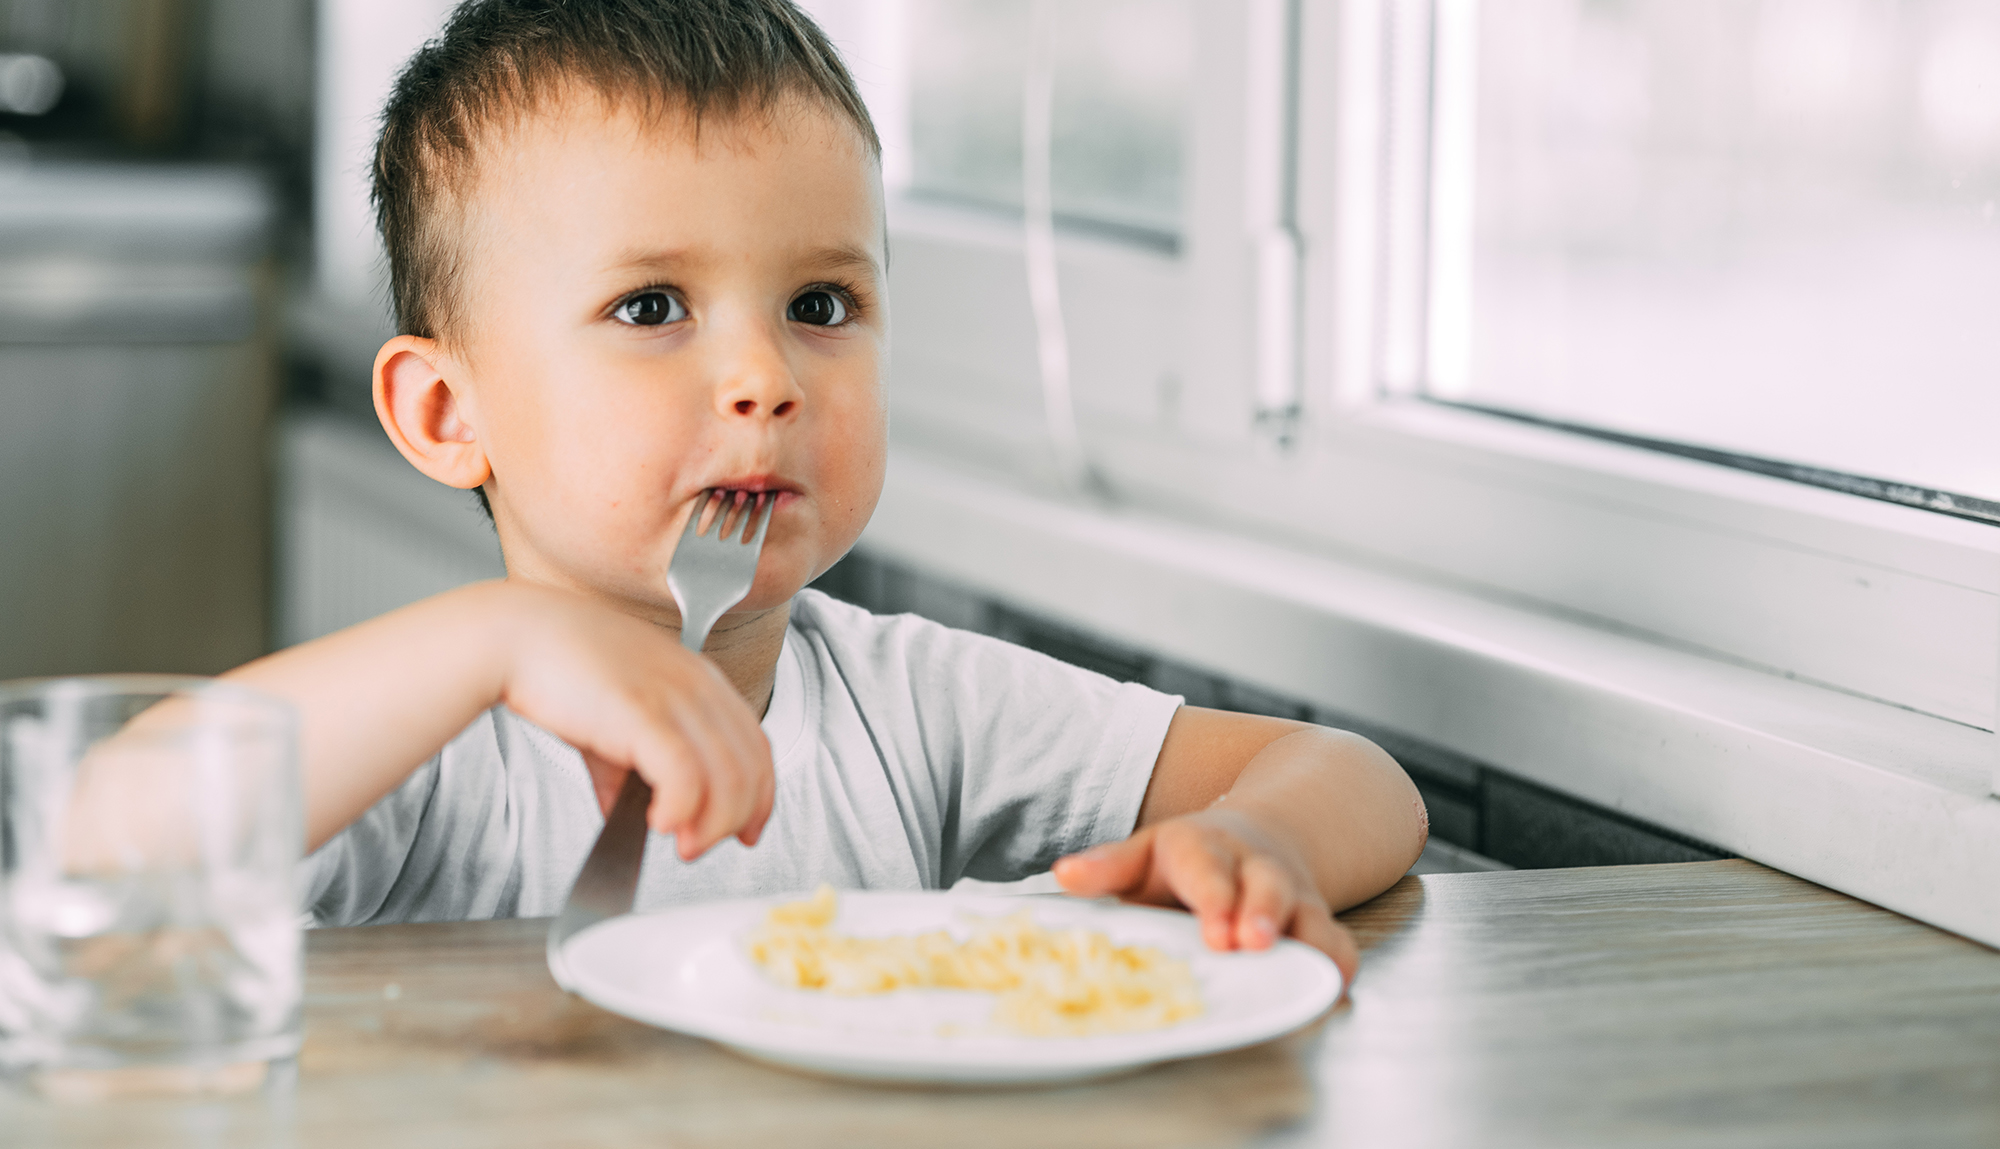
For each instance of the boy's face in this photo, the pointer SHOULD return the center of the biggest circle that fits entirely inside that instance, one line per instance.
(647, 316)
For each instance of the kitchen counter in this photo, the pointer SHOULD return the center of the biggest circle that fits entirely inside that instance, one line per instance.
(1711, 1003)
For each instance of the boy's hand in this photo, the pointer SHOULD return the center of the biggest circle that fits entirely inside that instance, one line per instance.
(629, 697)
(1246, 887)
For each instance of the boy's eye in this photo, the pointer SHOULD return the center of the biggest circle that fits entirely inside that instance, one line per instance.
(650, 309)
(819, 308)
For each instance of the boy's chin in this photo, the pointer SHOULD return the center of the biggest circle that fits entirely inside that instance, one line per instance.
(779, 577)
(772, 590)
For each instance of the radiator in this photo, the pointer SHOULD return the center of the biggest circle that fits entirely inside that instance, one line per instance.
(361, 532)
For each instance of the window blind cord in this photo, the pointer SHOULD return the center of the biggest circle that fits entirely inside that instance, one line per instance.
(1039, 233)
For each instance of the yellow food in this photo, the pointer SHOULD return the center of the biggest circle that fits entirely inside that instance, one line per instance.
(1051, 983)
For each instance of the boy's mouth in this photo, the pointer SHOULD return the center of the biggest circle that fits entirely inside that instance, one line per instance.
(783, 490)
(755, 484)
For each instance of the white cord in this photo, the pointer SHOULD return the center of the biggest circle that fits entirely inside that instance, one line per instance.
(1039, 227)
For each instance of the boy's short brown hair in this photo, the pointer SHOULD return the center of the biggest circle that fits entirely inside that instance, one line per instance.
(497, 58)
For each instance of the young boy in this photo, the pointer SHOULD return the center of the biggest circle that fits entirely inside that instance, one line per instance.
(638, 252)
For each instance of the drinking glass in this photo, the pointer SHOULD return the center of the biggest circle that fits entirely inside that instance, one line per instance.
(150, 829)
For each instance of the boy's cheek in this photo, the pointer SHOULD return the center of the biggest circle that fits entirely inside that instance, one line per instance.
(792, 558)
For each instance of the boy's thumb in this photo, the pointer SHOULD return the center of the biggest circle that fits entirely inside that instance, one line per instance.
(1112, 868)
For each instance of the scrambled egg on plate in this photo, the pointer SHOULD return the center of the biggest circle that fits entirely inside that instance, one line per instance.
(1051, 983)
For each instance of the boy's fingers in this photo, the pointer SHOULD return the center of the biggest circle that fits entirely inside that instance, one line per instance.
(673, 809)
(729, 801)
(731, 797)
(761, 795)
(722, 748)
(732, 802)
(743, 784)
(679, 788)
(1112, 868)
(1315, 927)
(1266, 903)
(1201, 870)
(750, 781)
(767, 796)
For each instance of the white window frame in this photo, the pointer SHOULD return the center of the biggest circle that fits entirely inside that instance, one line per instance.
(1884, 602)
(1807, 677)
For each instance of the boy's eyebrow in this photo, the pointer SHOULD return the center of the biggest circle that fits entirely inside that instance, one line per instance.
(843, 258)
(829, 259)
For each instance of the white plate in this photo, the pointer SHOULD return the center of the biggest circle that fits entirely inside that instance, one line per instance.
(685, 969)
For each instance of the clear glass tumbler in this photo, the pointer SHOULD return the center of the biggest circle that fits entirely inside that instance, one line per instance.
(150, 829)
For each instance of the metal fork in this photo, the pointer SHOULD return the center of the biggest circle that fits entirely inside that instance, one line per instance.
(711, 573)
(713, 568)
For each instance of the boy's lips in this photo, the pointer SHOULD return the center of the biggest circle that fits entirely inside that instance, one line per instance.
(755, 484)
(786, 491)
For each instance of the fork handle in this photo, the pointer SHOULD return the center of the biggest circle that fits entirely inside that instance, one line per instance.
(694, 632)
(609, 880)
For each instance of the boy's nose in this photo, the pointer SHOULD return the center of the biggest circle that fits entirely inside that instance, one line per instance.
(761, 386)
(749, 407)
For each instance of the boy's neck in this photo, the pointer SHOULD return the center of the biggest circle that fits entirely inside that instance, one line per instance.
(745, 647)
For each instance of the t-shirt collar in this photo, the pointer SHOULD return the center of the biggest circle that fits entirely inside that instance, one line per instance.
(785, 718)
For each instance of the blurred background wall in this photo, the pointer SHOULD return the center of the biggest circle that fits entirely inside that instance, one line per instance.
(153, 181)
(190, 295)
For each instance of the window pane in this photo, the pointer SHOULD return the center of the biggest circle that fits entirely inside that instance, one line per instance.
(1767, 227)
(1121, 73)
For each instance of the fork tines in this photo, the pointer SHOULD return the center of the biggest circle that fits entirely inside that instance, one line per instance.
(739, 515)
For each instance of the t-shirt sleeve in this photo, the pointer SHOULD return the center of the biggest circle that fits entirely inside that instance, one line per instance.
(440, 847)
(348, 879)
(1033, 758)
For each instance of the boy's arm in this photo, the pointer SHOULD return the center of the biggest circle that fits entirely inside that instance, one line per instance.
(1262, 827)
(374, 701)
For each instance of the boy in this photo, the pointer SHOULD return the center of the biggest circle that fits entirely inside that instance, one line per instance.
(638, 252)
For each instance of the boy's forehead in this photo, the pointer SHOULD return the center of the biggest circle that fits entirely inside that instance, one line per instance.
(790, 167)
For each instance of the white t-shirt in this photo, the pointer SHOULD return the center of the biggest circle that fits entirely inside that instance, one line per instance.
(908, 755)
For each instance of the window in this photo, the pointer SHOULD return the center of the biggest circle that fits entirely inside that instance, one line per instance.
(1170, 191)
(1764, 229)
(1724, 231)
(1120, 90)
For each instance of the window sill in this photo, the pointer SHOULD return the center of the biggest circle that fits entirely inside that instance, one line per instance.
(1879, 802)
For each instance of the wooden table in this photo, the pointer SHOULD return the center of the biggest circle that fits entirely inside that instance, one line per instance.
(1710, 1003)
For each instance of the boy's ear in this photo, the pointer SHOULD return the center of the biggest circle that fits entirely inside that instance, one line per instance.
(427, 415)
